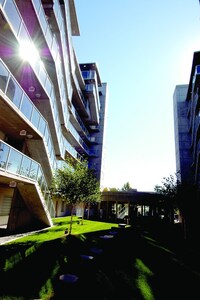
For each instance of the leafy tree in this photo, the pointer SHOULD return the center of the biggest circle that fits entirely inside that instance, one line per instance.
(75, 183)
(126, 187)
(185, 199)
(169, 188)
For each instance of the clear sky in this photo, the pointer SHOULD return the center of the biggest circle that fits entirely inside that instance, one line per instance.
(143, 50)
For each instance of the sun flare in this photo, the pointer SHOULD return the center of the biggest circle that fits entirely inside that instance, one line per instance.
(28, 52)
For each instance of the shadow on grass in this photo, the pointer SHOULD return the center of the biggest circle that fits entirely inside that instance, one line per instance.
(135, 263)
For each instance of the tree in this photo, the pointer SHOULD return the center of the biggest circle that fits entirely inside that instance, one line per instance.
(185, 198)
(169, 188)
(75, 183)
(126, 187)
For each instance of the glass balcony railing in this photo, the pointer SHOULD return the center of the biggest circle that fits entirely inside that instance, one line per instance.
(78, 138)
(84, 101)
(77, 117)
(72, 151)
(22, 34)
(54, 49)
(64, 40)
(13, 161)
(89, 75)
(92, 87)
(18, 97)
(19, 29)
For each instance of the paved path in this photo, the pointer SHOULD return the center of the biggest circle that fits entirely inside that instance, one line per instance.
(9, 238)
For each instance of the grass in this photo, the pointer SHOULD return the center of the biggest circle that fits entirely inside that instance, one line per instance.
(59, 227)
(137, 263)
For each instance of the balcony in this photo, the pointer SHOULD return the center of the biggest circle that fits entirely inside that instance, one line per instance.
(29, 179)
(92, 80)
(91, 94)
(19, 113)
(76, 140)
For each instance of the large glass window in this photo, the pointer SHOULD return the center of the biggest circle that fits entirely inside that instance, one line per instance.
(12, 14)
(3, 77)
(26, 107)
(14, 92)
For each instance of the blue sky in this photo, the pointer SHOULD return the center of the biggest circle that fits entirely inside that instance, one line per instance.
(143, 50)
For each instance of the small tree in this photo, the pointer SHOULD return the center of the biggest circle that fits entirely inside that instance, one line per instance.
(169, 188)
(89, 186)
(75, 183)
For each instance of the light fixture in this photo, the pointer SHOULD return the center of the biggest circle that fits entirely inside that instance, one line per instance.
(31, 89)
(38, 95)
(23, 132)
(12, 184)
(29, 136)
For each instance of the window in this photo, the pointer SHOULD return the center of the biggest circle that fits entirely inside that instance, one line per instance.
(3, 77)
(14, 92)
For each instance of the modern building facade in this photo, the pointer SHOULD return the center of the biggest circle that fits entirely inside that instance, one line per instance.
(51, 107)
(181, 132)
(187, 126)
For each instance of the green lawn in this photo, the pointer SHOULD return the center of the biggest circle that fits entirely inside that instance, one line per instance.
(58, 230)
(135, 264)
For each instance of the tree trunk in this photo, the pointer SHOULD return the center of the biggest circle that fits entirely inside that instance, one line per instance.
(83, 211)
(88, 211)
(71, 219)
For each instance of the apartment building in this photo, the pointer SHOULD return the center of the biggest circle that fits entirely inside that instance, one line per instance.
(51, 107)
(187, 126)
